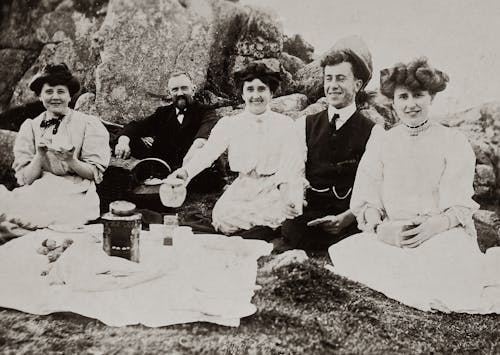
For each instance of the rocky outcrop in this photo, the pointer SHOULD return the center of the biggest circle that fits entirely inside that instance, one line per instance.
(7, 158)
(482, 126)
(296, 46)
(123, 51)
(289, 103)
(18, 42)
(64, 34)
(291, 63)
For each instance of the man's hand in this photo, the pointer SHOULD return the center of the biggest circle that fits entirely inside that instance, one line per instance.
(122, 148)
(148, 141)
(333, 224)
(197, 144)
(412, 238)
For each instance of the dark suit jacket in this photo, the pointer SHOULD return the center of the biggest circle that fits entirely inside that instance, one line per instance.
(171, 139)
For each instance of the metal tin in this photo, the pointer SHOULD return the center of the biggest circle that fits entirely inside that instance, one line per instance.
(121, 235)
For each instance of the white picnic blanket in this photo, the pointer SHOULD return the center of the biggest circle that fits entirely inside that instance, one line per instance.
(211, 278)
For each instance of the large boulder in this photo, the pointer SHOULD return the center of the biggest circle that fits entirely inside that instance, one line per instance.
(18, 40)
(482, 127)
(291, 63)
(310, 80)
(142, 43)
(65, 34)
(15, 62)
(289, 103)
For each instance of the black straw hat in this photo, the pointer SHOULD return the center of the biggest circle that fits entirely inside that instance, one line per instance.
(55, 74)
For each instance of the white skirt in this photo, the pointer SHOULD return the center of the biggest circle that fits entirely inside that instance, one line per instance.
(446, 273)
(52, 199)
(250, 201)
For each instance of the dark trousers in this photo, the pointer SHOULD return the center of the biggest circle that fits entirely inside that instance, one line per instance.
(300, 236)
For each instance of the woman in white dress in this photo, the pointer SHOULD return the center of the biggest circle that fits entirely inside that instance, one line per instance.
(412, 198)
(58, 158)
(263, 148)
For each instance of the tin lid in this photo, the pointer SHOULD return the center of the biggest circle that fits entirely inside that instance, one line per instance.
(122, 208)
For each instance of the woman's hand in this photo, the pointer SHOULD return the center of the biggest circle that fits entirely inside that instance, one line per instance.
(180, 173)
(412, 238)
(290, 207)
(42, 147)
(65, 155)
(372, 219)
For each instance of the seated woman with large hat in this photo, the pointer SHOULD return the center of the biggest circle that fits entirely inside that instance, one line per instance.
(59, 156)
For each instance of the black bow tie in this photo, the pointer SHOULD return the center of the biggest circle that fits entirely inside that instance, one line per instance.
(52, 122)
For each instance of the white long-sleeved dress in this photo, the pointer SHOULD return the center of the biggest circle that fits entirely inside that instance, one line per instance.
(265, 151)
(59, 196)
(406, 176)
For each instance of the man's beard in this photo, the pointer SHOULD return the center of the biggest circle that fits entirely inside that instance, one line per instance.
(182, 101)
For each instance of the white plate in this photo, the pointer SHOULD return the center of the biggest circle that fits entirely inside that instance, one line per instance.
(67, 228)
(153, 181)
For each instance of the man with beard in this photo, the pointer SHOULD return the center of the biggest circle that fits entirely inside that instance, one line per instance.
(172, 133)
(334, 141)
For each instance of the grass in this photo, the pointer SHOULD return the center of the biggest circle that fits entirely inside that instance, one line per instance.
(302, 309)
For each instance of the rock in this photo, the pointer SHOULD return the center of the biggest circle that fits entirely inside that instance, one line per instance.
(66, 36)
(289, 257)
(7, 139)
(490, 218)
(371, 113)
(291, 63)
(227, 111)
(261, 36)
(298, 47)
(310, 80)
(209, 98)
(485, 175)
(14, 63)
(318, 106)
(142, 43)
(293, 102)
(11, 119)
(86, 104)
(481, 125)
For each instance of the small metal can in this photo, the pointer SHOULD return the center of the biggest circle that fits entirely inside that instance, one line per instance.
(122, 227)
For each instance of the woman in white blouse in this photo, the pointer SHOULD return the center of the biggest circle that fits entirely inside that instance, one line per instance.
(58, 158)
(412, 198)
(263, 148)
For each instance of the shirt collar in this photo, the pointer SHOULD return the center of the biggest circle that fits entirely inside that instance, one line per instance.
(344, 113)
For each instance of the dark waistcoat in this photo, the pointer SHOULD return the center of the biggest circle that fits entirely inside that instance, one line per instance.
(333, 156)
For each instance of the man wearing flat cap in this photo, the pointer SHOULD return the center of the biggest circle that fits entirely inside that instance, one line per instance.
(174, 132)
(334, 141)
